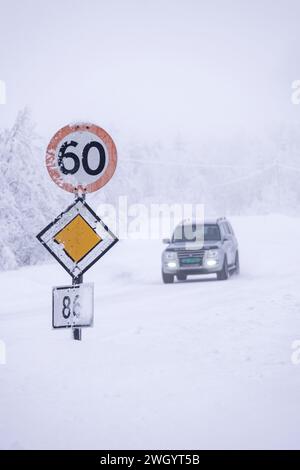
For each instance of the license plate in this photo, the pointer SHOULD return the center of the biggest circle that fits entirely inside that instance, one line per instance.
(191, 261)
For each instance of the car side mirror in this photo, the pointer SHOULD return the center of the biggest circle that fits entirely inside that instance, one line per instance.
(166, 240)
(225, 239)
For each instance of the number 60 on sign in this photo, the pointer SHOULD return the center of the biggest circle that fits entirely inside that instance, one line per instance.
(73, 306)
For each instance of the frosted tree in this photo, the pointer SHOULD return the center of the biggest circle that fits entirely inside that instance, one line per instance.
(25, 205)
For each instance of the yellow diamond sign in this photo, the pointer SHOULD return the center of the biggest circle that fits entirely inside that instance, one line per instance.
(78, 238)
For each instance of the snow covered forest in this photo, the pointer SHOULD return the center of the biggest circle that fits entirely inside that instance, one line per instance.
(242, 175)
(27, 199)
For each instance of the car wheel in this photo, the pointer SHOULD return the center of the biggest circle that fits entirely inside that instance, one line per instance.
(181, 277)
(167, 278)
(237, 263)
(224, 273)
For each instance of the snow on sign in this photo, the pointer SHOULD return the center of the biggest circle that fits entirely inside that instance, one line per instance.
(81, 158)
(73, 306)
(77, 238)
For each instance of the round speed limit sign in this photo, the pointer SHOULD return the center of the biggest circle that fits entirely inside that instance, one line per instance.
(81, 157)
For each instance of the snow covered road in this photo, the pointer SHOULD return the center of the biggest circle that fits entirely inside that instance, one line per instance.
(200, 364)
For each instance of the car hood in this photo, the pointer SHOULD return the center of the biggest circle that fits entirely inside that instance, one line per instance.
(193, 246)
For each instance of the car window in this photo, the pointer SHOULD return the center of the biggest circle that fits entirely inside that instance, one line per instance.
(193, 232)
(227, 228)
(230, 228)
(223, 229)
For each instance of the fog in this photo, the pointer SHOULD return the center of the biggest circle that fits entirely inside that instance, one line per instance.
(151, 70)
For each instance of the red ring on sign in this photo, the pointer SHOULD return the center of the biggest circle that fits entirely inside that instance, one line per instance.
(51, 161)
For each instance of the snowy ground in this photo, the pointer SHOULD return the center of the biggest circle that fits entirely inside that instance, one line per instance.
(201, 364)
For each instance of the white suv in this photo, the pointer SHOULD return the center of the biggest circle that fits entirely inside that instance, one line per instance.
(215, 251)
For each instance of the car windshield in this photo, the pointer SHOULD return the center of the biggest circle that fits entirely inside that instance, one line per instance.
(196, 232)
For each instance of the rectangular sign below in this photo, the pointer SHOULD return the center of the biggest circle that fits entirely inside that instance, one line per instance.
(73, 306)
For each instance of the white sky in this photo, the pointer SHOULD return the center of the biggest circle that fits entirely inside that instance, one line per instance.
(149, 69)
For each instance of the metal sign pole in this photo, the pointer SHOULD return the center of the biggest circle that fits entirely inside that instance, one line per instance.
(77, 332)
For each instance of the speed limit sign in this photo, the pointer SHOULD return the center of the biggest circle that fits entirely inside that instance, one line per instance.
(81, 157)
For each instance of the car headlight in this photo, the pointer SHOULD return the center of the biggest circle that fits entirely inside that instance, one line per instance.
(211, 262)
(211, 258)
(170, 255)
(212, 254)
(172, 264)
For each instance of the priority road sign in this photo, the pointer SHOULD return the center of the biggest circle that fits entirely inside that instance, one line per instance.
(73, 306)
(81, 158)
(77, 238)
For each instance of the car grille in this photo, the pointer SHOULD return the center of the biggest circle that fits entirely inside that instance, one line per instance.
(184, 255)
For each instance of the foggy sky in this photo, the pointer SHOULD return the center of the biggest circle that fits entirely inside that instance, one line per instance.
(151, 70)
